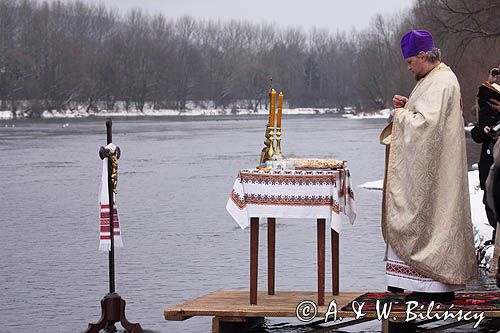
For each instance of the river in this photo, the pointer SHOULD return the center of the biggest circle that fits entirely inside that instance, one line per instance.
(175, 176)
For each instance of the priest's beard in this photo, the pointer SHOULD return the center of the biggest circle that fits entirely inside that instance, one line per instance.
(419, 76)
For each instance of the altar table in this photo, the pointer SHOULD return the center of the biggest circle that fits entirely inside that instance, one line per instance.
(321, 195)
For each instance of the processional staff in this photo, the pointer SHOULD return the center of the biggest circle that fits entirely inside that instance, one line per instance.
(112, 305)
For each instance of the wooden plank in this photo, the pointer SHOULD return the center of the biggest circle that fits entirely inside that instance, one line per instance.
(282, 304)
(232, 319)
(254, 258)
(235, 304)
(321, 260)
(271, 254)
(176, 315)
(335, 262)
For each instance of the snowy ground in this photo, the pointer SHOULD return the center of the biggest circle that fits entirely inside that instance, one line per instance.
(5, 115)
(481, 228)
(187, 113)
(469, 127)
(384, 114)
(372, 115)
(192, 109)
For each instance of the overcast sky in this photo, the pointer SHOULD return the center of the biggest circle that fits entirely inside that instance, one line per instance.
(330, 14)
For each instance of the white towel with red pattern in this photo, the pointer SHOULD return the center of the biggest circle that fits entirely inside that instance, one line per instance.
(104, 234)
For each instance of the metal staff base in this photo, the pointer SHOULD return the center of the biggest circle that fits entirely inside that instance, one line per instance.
(113, 311)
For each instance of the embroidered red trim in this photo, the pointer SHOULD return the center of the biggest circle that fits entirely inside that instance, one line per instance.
(286, 179)
(285, 200)
(403, 270)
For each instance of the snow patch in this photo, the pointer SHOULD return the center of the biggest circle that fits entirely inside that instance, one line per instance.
(374, 185)
(6, 115)
(193, 108)
(382, 114)
(482, 230)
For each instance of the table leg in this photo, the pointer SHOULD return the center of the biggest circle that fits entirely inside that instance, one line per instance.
(254, 258)
(335, 262)
(321, 260)
(271, 254)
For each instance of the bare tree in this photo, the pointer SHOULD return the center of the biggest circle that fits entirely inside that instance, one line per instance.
(467, 32)
(58, 55)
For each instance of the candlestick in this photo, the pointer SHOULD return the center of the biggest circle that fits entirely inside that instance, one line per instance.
(267, 152)
(270, 152)
(278, 155)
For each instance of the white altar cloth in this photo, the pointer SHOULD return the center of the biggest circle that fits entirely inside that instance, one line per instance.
(292, 194)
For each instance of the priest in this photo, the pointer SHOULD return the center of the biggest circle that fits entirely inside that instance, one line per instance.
(426, 219)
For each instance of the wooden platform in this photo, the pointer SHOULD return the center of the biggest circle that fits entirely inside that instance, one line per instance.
(282, 304)
(236, 304)
(233, 308)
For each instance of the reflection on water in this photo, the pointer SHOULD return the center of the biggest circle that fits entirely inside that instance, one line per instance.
(180, 243)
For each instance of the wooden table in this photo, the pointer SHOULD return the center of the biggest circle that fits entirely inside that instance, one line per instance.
(271, 261)
(321, 195)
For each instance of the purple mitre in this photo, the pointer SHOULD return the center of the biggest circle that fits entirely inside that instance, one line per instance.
(416, 41)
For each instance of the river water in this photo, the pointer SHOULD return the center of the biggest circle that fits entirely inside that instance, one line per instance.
(175, 176)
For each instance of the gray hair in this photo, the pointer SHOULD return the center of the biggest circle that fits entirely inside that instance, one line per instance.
(434, 55)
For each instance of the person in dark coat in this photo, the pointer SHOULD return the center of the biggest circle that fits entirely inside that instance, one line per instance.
(493, 183)
(493, 199)
(489, 115)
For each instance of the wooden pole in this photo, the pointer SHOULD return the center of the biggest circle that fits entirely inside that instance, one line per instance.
(321, 260)
(254, 258)
(335, 262)
(111, 212)
(271, 254)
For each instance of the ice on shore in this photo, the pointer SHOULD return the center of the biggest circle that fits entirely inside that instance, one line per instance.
(481, 228)
(384, 114)
(374, 185)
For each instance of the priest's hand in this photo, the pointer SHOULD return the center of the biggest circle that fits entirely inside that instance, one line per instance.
(494, 104)
(399, 101)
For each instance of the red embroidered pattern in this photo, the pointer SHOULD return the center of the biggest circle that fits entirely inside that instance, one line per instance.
(286, 179)
(292, 172)
(350, 192)
(399, 269)
(238, 201)
(336, 207)
(285, 200)
(289, 200)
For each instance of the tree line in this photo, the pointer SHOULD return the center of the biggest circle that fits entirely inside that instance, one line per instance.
(60, 55)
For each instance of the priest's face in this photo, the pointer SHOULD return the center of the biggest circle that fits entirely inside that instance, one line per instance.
(417, 65)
